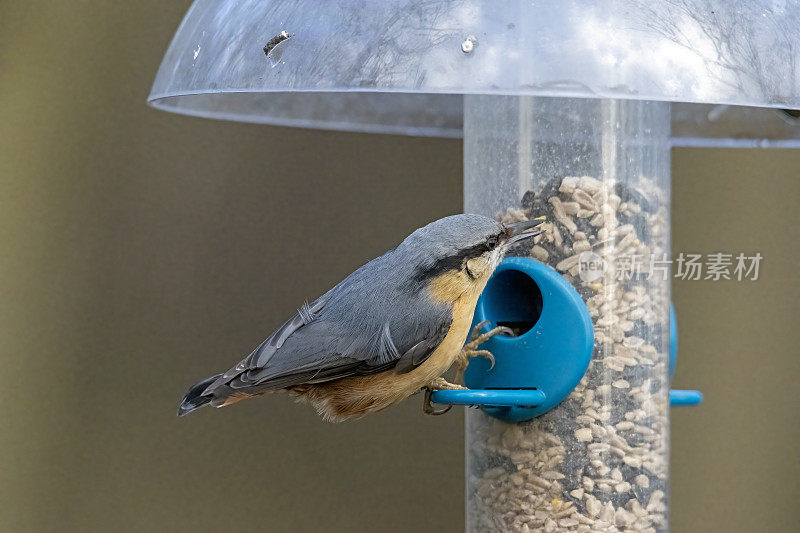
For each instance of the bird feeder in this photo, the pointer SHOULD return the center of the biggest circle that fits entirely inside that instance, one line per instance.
(568, 109)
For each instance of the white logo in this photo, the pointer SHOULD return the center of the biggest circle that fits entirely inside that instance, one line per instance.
(590, 266)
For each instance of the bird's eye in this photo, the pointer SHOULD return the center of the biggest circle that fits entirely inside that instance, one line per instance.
(492, 241)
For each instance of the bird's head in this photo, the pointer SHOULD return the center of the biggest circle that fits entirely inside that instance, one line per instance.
(464, 248)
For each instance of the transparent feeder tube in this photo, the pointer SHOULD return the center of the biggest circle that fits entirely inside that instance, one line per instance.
(599, 171)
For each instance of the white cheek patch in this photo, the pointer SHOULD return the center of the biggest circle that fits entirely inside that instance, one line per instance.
(476, 266)
(485, 264)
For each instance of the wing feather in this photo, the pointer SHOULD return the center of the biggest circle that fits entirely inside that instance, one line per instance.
(419, 353)
(313, 351)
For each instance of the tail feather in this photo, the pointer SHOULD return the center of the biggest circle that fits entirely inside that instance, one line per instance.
(194, 397)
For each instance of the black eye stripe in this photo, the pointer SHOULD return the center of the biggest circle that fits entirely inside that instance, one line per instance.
(475, 250)
(455, 262)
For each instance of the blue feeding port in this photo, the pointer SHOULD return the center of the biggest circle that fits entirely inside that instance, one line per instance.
(547, 356)
(537, 367)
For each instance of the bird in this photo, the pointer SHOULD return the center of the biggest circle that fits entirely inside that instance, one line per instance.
(390, 329)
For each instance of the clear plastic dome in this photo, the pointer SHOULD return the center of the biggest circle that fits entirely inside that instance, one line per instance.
(415, 58)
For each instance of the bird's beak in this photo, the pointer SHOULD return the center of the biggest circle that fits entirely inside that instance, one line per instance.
(524, 229)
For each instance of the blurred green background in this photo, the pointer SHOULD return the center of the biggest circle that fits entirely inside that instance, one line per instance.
(140, 251)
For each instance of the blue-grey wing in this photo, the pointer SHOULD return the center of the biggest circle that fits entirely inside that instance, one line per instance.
(323, 342)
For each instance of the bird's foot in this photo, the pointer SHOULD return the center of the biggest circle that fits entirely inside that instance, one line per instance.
(477, 338)
(437, 384)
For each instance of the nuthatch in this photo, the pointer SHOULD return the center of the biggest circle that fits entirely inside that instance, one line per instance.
(388, 330)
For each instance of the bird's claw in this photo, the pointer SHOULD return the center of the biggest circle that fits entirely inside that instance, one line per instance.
(477, 338)
(427, 405)
(482, 353)
(476, 330)
(437, 384)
